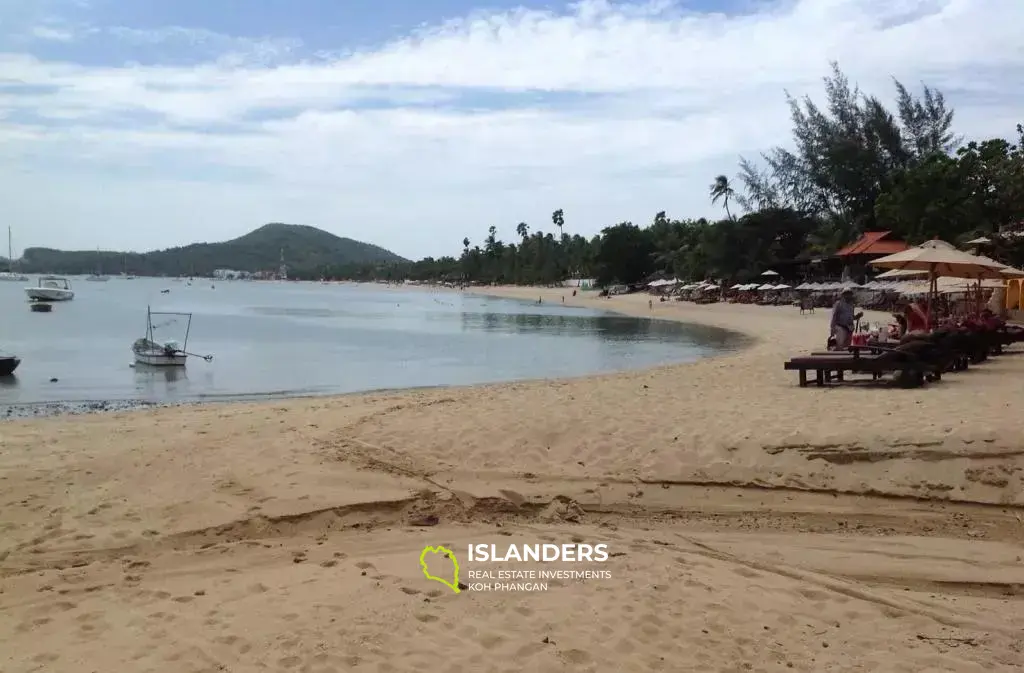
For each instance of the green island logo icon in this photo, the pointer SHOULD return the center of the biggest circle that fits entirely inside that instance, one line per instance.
(447, 553)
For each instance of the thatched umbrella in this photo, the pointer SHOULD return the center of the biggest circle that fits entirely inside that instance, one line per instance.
(939, 259)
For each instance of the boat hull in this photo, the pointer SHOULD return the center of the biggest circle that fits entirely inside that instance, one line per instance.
(49, 294)
(8, 365)
(13, 277)
(161, 359)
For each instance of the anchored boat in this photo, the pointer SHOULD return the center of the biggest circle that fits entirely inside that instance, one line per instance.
(9, 274)
(149, 351)
(8, 363)
(51, 288)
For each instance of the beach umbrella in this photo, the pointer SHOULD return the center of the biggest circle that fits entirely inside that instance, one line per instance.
(769, 272)
(1004, 270)
(981, 240)
(939, 259)
(902, 274)
(782, 286)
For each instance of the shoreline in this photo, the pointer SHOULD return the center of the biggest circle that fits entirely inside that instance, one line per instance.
(57, 408)
(739, 418)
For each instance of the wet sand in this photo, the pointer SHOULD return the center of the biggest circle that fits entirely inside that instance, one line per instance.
(752, 525)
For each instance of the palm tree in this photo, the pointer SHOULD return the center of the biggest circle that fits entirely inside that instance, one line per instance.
(558, 219)
(721, 189)
(465, 244)
(523, 229)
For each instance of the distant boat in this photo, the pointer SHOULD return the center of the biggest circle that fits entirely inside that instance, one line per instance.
(8, 363)
(51, 288)
(98, 277)
(124, 269)
(167, 354)
(9, 274)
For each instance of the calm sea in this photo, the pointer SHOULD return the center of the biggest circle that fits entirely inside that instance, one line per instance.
(272, 339)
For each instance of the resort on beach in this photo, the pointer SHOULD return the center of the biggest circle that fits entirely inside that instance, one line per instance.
(775, 427)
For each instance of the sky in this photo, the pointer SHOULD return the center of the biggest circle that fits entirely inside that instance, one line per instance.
(143, 124)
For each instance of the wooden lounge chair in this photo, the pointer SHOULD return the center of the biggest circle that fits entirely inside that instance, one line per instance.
(910, 369)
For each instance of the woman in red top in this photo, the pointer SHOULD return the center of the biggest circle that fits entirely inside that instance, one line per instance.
(917, 319)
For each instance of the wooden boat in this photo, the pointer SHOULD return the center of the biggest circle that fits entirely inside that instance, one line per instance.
(8, 363)
(149, 351)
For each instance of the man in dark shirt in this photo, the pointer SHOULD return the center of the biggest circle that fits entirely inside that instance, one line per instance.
(843, 318)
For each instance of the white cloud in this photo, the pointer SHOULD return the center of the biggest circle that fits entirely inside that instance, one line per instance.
(52, 34)
(609, 111)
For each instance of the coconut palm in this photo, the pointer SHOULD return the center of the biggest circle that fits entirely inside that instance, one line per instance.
(721, 189)
(558, 219)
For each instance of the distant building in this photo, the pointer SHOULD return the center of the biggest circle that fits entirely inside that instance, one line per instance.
(856, 257)
(230, 274)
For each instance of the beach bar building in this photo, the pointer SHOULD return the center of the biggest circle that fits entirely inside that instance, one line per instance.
(870, 246)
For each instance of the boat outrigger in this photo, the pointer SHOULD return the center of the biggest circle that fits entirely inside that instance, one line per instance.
(148, 351)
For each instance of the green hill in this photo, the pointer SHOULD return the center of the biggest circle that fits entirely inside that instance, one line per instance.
(307, 250)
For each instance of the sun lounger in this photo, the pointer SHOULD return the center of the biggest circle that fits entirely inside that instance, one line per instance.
(911, 370)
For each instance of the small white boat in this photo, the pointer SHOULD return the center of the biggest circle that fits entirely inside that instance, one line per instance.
(149, 351)
(10, 276)
(51, 288)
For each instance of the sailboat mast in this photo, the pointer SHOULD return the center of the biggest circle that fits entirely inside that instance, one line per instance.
(10, 252)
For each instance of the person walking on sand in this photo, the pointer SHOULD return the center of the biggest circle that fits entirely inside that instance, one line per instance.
(843, 318)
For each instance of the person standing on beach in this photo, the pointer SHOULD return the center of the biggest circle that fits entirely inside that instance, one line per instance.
(843, 318)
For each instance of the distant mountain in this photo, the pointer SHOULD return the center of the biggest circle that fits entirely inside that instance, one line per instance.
(308, 251)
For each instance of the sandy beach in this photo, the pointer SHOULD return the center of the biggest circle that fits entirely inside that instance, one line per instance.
(751, 525)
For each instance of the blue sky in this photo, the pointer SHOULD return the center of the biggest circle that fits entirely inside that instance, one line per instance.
(134, 124)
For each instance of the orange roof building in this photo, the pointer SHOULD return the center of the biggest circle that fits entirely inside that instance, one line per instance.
(873, 244)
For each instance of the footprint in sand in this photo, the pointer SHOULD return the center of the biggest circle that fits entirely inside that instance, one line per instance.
(574, 656)
(234, 642)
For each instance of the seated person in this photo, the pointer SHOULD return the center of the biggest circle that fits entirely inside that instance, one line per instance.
(900, 327)
(916, 317)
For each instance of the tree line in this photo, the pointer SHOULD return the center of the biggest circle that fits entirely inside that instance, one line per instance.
(854, 165)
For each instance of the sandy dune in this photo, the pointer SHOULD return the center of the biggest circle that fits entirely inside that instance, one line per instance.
(753, 525)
